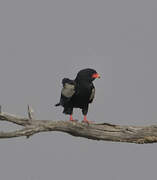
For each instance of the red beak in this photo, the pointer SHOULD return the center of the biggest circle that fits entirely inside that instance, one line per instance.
(95, 75)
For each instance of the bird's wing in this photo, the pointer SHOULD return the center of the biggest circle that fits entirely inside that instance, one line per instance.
(92, 95)
(68, 89)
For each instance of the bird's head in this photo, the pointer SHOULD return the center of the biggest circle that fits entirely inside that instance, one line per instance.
(87, 74)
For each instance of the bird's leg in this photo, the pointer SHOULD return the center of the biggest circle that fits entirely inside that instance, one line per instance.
(71, 112)
(85, 111)
(71, 117)
(85, 119)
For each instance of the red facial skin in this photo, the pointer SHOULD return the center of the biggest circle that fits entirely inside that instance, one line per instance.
(95, 75)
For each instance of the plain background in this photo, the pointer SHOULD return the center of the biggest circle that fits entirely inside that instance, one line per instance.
(43, 41)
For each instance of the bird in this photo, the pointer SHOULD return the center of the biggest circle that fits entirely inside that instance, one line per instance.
(78, 93)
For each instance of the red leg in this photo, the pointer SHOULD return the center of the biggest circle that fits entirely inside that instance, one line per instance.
(71, 118)
(85, 119)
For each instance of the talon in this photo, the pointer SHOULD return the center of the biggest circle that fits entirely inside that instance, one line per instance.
(86, 121)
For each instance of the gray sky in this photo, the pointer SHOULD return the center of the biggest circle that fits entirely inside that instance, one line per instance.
(43, 41)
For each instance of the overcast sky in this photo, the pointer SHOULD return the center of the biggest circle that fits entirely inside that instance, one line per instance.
(42, 42)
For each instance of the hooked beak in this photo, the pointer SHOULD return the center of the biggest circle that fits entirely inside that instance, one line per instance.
(95, 75)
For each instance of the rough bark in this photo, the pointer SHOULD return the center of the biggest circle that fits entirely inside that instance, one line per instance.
(103, 131)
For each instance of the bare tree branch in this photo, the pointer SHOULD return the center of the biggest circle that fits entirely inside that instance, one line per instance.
(103, 131)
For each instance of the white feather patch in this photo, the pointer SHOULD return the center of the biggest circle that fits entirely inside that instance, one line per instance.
(68, 90)
(92, 94)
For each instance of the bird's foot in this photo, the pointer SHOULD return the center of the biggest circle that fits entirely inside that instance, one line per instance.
(86, 121)
(73, 120)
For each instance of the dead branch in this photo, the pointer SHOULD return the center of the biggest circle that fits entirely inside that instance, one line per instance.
(103, 131)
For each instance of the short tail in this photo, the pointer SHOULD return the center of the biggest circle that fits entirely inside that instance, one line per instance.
(58, 104)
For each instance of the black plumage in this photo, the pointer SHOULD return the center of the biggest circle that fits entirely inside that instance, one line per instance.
(78, 93)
